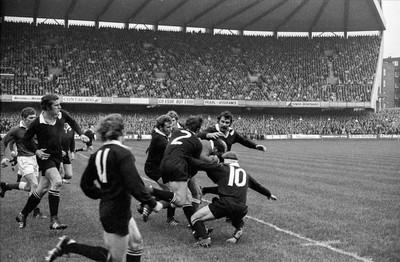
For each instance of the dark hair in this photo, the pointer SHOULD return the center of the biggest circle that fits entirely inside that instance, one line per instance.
(27, 111)
(110, 127)
(193, 123)
(226, 115)
(47, 101)
(161, 120)
(173, 114)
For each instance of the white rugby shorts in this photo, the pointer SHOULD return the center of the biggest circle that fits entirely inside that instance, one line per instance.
(27, 165)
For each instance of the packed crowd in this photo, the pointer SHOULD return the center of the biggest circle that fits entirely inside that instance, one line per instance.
(105, 62)
(256, 125)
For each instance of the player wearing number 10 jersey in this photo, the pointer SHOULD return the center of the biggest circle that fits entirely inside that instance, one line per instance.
(233, 183)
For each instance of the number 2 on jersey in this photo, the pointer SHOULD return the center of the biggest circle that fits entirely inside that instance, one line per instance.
(176, 140)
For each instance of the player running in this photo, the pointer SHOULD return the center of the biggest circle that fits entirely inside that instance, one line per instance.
(112, 166)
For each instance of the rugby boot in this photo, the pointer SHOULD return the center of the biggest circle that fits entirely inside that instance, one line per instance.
(146, 212)
(37, 213)
(203, 242)
(236, 235)
(56, 225)
(21, 219)
(59, 250)
(3, 189)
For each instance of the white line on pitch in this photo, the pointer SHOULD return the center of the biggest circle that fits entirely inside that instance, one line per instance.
(312, 242)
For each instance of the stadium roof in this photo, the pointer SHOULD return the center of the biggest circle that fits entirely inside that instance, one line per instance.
(247, 15)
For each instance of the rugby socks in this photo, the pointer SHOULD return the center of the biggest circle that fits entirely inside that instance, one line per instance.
(210, 190)
(33, 201)
(200, 229)
(18, 186)
(163, 194)
(170, 212)
(188, 211)
(54, 202)
(95, 253)
(133, 255)
(196, 203)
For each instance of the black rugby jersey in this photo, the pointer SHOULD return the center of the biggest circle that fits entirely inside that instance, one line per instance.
(113, 167)
(183, 143)
(49, 136)
(230, 138)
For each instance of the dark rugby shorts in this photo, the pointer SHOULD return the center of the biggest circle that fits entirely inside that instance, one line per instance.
(115, 217)
(49, 163)
(152, 172)
(174, 169)
(225, 207)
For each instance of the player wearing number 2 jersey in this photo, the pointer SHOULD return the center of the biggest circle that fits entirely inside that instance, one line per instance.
(112, 166)
(175, 168)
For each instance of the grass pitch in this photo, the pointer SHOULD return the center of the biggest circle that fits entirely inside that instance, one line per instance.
(338, 200)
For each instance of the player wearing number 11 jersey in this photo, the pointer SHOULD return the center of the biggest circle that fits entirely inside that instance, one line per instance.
(112, 166)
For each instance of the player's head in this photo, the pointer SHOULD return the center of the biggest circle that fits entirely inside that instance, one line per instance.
(174, 116)
(164, 124)
(193, 123)
(230, 157)
(225, 120)
(111, 127)
(28, 114)
(220, 146)
(50, 102)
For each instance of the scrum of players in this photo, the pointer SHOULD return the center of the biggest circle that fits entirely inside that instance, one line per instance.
(176, 154)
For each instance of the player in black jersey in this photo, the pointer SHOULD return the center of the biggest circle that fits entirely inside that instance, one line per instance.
(155, 153)
(224, 131)
(89, 144)
(48, 128)
(175, 169)
(233, 182)
(112, 166)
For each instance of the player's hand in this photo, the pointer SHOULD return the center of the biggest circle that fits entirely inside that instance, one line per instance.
(13, 154)
(63, 153)
(41, 154)
(261, 148)
(214, 135)
(272, 197)
(158, 207)
(5, 162)
(72, 156)
(84, 138)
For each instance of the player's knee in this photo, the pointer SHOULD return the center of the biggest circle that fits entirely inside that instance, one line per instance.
(179, 201)
(57, 184)
(136, 243)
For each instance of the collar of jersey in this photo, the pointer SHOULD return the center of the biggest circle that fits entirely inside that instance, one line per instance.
(116, 142)
(42, 121)
(159, 132)
(231, 162)
(21, 124)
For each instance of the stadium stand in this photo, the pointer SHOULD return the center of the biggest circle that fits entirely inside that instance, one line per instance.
(256, 125)
(108, 62)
